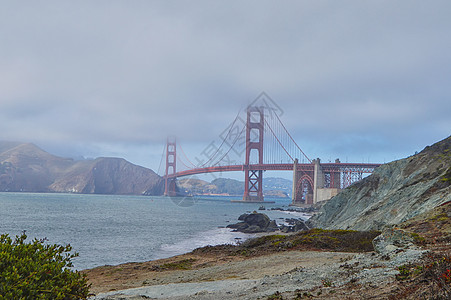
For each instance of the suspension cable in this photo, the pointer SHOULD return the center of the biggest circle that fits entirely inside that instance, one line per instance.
(279, 141)
(183, 152)
(293, 139)
(223, 141)
(233, 144)
(161, 160)
(181, 161)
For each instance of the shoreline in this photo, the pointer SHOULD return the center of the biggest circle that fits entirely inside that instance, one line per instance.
(220, 276)
(223, 273)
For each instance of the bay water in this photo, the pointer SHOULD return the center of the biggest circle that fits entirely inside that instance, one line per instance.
(111, 229)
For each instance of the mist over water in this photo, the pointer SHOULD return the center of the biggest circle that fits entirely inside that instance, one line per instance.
(111, 229)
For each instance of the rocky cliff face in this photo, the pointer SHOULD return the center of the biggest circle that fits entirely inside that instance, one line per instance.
(394, 193)
(27, 168)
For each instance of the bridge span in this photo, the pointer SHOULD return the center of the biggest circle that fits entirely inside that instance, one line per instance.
(312, 181)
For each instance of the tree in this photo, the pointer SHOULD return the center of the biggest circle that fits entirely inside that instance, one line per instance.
(37, 270)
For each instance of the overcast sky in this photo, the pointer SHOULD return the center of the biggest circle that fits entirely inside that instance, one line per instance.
(358, 80)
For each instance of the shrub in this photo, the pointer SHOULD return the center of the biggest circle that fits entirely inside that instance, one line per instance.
(430, 280)
(184, 264)
(37, 270)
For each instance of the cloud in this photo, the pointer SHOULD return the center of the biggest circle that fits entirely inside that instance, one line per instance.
(350, 75)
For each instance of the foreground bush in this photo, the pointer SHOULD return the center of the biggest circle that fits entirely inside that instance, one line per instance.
(38, 271)
(430, 279)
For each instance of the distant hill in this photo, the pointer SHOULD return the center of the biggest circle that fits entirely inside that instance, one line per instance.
(229, 186)
(277, 184)
(27, 168)
(196, 186)
(272, 187)
(394, 193)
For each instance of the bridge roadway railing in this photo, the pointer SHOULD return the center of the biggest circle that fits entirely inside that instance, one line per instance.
(326, 167)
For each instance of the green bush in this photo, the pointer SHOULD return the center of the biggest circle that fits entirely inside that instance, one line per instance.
(37, 270)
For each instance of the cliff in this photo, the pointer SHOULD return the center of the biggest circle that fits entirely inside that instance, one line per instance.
(27, 168)
(394, 193)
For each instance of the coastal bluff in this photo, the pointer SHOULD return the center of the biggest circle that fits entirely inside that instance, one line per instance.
(394, 193)
(24, 167)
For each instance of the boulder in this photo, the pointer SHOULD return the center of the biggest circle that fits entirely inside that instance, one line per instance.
(253, 229)
(240, 226)
(286, 229)
(272, 226)
(294, 225)
(300, 226)
(253, 223)
(392, 240)
(242, 217)
(258, 219)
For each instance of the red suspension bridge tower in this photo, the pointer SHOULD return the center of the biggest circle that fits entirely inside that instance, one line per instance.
(253, 181)
(170, 186)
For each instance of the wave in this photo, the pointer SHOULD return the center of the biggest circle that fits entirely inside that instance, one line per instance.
(212, 237)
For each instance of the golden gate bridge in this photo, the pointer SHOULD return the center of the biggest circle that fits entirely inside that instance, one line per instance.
(260, 142)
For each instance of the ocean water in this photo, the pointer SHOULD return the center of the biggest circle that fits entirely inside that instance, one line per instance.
(110, 229)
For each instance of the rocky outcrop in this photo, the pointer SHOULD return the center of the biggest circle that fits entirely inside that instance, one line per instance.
(392, 240)
(258, 222)
(254, 223)
(27, 168)
(294, 225)
(394, 193)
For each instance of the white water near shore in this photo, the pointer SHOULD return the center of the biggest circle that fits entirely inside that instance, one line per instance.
(111, 229)
(216, 236)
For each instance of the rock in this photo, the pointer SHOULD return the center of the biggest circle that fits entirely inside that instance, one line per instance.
(294, 225)
(286, 229)
(272, 226)
(391, 240)
(300, 226)
(241, 218)
(253, 223)
(240, 226)
(258, 219)
(253, 229)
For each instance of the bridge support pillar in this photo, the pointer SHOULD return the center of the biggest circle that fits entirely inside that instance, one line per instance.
(318, 179)
(324, 187)
(294, 192)
(302, 193)
(171, 158)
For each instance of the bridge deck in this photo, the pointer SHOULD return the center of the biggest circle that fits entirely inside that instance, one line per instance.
(326, 167)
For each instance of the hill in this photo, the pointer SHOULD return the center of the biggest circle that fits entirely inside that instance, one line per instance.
(394, 193)
(28, 168)
(272, 187)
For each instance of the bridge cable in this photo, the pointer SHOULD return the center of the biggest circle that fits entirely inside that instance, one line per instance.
(293, 140)
(161, 160)
(183, 152)
(233, 144)
(181, 161)
(223, 141)
(279, 141)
